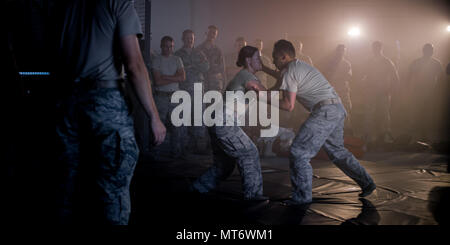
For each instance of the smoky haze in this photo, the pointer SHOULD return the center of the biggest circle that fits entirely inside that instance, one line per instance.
(403, 26)
(322, 24)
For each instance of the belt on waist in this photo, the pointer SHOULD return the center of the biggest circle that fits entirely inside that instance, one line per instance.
(108, 84)
(167, 93)
(93, 84)
(327, 102)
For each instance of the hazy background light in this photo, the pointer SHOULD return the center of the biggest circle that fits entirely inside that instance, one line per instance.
(448, 28)
(354, 32)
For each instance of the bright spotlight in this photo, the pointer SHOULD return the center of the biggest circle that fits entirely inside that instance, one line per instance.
(354, 32)
(448, 28)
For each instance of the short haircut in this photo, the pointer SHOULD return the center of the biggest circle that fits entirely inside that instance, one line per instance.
(165, 39)
(213, 27)
(377, 44)
(284, 46)
(240, 39)
(340, 46)
(427, 46)
(187, 31)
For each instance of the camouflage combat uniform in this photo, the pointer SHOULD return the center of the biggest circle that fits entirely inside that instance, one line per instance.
(381, 76)
(339, 73)
(266, 80)
(215, 77)
(97, 136)
(97, 151)
(195, 64)
(323, 128)
(424, 74)
(231, 145)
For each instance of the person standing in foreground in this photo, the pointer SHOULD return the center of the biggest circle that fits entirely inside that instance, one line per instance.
(94, 128)
(323, 128)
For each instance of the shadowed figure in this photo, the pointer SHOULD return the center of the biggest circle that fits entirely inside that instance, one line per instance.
(438, 203)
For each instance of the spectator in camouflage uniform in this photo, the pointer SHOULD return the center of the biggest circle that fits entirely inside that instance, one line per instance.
(230, 60)
(423, 80)
(195, 64)
(215, 77)
(301, 56)
(339, 72)
(95, 135)
(381, 77)
(267, 81)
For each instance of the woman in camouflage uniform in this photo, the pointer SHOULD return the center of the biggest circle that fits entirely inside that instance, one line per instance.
(230, 144)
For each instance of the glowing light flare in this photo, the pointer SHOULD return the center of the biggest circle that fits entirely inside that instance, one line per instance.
(448, 28)
(354, 32)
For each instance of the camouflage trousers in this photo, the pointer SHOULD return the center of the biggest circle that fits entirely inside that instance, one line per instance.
(232, 146)
(98, 155)
(324, 128)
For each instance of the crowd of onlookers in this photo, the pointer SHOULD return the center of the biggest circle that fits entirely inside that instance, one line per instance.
(390, 108)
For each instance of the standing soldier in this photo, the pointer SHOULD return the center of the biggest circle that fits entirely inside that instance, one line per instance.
(266, 80)
(424, 75)
(380, 79)
(215, 77)
(231, 68)
(168, 71)
(338, 71)
(94, 129)
(195, 64)
(301, 56)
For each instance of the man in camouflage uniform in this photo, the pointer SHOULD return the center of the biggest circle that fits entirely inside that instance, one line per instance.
(169, 73)
(380, 79)
(230, 144)
(231, 68)
(195, 64)
(301, 56)
(95, 135)
(215, 77)
(423, 80)
(323, 128)
(266, 80)
(339, 72)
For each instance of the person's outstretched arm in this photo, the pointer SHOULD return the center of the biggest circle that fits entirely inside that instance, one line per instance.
(274, 73)
(138, 74)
